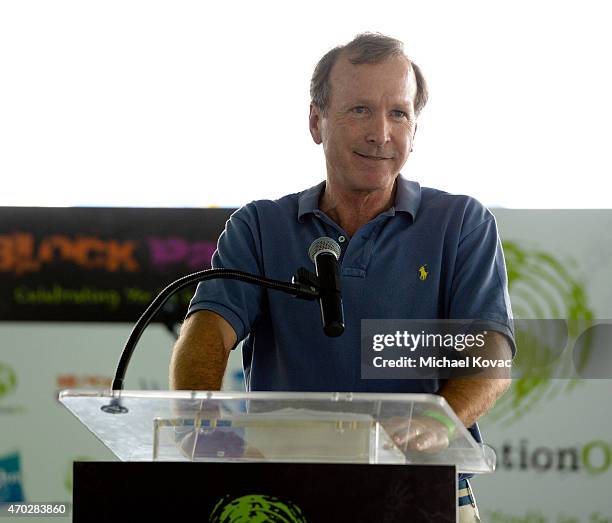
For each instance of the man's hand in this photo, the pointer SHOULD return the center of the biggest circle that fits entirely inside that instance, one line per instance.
(470, 398)
(420, 433)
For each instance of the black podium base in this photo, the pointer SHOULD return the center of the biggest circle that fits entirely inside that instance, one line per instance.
(260, 492)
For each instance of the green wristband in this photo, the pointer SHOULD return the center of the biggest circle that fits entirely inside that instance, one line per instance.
(442, 419)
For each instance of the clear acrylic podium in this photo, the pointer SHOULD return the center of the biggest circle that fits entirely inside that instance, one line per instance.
(269, 427)
(266, 456)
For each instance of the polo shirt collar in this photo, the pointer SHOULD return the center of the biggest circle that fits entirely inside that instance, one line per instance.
(407, 198)
(308, 200)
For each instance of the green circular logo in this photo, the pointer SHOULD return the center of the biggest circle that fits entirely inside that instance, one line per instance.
(8, 380)
(540, 286)
(256, 508)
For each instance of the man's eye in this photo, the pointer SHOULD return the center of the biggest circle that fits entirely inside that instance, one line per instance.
(360, 109)
(399, 114)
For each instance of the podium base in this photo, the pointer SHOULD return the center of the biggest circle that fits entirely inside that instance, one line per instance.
(291, 492)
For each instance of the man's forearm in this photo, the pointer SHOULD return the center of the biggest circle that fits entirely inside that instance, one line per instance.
(199, 357)
(472, 397)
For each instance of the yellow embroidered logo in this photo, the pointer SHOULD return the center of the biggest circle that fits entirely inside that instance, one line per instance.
(423, 272)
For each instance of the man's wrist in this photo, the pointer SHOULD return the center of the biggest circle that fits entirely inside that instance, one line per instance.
(447, 422)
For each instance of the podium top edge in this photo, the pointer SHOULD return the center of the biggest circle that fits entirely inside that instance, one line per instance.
(254, 395)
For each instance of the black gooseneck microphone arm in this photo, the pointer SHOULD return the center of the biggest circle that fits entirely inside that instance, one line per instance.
(305, 286)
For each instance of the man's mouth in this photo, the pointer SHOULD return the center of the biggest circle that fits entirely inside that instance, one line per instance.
(372, 157)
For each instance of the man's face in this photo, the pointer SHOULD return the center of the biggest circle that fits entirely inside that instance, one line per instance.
(370, 123)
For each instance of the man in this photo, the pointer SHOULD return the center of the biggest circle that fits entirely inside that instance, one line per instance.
(407, 252)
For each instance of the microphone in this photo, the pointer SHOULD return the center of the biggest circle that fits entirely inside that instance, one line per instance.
(325, 253)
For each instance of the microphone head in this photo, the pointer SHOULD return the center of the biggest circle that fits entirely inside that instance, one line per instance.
(324, 244)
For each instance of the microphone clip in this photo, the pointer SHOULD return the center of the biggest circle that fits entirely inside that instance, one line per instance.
(309, 285)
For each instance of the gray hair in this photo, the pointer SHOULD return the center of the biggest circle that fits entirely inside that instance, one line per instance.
(365, 48)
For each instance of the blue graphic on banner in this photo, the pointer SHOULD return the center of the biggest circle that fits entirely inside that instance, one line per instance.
(10, 478)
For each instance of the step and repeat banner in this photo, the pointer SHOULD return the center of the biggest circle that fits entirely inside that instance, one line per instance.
(74, 280)
(99, 264)
(553, 437)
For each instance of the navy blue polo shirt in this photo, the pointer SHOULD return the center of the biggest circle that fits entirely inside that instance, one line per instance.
(454, 237)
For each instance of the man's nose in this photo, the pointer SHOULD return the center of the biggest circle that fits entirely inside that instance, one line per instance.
(378, 131)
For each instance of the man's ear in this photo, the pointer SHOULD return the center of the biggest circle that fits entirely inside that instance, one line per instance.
(314, 123)
(416, 126)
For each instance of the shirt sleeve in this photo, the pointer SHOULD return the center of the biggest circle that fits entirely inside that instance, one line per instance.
(479, 290)
(238, 247)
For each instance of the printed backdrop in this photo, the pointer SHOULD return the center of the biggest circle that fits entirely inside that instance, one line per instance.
(73, 280)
